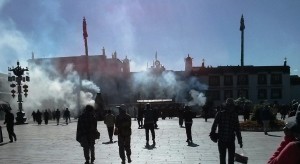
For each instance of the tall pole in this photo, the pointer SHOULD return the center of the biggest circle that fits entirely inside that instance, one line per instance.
(19, 77)
(85, 35)
(242, 28)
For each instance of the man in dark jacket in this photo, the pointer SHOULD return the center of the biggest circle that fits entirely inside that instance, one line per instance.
(123, 123)
(46, 117)
(149, 123)
(228, 127)
(67, 116)
(188, 119)
(266, 116)
(57, 116)
(9, 121)
(86, 132)
(38, 116)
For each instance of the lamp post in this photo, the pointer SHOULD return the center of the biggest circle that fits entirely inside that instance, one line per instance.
(16, 80)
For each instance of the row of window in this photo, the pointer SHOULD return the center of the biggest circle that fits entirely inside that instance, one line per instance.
(262, 94)
(244, 80)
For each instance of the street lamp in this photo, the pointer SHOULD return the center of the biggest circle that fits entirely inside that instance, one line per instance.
(16, 80)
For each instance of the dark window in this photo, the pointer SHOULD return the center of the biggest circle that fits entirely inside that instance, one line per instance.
(262, 94)
(243, 93)
(228, 94)
(262, 79)
(228, 80)
(214, 81)
(242, 80)
(213, 95)
(276, 79)
(276, 93)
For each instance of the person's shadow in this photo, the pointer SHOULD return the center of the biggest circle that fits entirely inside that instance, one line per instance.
(191, 144)
(4, 143)
(106, 143)
(272, 135)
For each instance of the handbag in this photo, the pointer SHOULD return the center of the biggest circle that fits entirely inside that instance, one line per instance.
(116, 131)
(241, 157)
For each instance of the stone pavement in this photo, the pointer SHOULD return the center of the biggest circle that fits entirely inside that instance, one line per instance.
(52, 144)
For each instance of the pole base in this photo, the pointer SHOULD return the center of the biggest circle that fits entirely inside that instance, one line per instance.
(21, 118)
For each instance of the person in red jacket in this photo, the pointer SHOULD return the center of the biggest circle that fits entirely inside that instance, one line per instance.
(289, 149)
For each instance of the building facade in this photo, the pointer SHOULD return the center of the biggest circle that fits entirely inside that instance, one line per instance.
(256, 83)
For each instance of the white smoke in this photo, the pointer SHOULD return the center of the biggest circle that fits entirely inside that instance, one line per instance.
(50, 90)
(90, 86)
(198, 98)
(149, 85)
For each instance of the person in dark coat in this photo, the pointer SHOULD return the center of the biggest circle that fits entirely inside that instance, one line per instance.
(188, 120)
(149, 123)
(57, 116)
(228, 126)
(46, 117)
(110, 120)
(266, 117)
(33, 116)
(205, 109)
(9, 121)
(38, 117)
(181, 117)
(140, 118)
(67, 116)
(123, 123)
(86, 130)
(246, 111)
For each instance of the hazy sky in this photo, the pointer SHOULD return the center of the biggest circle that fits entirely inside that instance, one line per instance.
(206, 29)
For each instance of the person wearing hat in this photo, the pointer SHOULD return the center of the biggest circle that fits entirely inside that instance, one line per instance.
(228, 127)
(123, 123)
(289, 149)
(9, 121)
(86, 130)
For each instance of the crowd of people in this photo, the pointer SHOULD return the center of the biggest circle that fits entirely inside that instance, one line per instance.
(225, 129)
(47, 115)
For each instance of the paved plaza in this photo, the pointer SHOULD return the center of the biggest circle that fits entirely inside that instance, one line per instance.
(52, 144)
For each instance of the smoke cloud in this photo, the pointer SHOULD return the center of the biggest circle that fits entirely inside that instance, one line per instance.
(50, 90)
(148, 85)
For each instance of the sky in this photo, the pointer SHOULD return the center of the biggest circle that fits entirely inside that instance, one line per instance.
(204, 29)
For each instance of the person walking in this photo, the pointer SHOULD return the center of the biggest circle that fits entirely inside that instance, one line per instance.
(246, 111)
(33, 116)
(266, 117)
(46, 117)
(181, 117)
(67, 116)
(123, 123)
(149, 123)
(188, 120)
(9, 121)
(140, 117)
(205, 110)
(86, 133)
(57, 116)
(110, 120)
(228, 126)
(38, 116)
